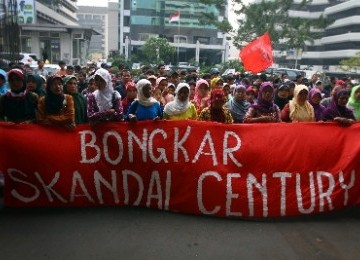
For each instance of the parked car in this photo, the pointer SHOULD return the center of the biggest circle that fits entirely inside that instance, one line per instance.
(292, 73)
(28, 58)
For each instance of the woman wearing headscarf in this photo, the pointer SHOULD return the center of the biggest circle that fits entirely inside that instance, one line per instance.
(298, 109)
(56, 108)
(238, 105)
(216, 83)
(217, 112)
(281, 95)
(34, 84)
(145, 107)
(71, 88)
(3, 84)
(265, 110)
(131, 94)
(337, 110)
(181, 108)
(354, 102)
(104, 104)
(315, 97)
(201, 98)
(91, 87)
(18, 105)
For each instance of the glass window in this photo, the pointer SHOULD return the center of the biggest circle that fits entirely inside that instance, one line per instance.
(145, 4)
(145, 20)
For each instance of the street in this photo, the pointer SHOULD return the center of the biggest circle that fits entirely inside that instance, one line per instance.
(139, 233)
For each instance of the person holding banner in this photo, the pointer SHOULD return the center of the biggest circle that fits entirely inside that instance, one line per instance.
(265, 110)
(238, 105)
(181, 108)
(104, 104)
(354, 101)
(217, 112)
(145, 107)
(337, 110)
(71, 88)
(18, 105)
(298, 109)
(56, 108)
(315, 97)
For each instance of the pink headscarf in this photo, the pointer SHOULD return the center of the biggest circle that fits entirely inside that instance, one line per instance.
(197, 98)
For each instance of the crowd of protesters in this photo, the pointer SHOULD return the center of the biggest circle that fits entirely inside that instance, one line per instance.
(78, 95)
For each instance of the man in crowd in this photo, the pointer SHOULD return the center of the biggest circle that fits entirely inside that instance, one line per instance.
(40, 70)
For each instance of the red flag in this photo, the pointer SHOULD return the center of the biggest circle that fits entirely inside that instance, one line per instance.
(175, 17)
(257, 55)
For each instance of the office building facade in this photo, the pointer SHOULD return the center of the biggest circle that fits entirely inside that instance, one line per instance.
(178, 22)
(338, 41)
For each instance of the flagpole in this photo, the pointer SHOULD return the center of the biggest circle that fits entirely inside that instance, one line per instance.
(178, 44)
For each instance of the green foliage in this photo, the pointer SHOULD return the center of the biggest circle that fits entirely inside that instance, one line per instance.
(351, 63)
(211, 19)
(273, 17)
(116, 59)
(233, 64)
(275, 20)
(157, 50)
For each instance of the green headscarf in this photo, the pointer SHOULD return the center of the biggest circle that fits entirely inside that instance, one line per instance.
(354, 103)
(79, 102)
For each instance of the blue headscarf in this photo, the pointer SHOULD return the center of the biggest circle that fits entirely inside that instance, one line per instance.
(238, 108)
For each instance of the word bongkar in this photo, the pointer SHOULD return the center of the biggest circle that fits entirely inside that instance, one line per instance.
(199, 170)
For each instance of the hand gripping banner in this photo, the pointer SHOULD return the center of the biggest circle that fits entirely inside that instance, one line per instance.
(244, 170)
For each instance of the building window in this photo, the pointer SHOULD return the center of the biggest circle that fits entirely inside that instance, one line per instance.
(145, 36)
(26, 44)
(180, 39)
(126, 20)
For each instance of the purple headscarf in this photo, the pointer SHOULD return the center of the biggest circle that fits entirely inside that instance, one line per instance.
(318, 108)
(262, 105)
(334, 110)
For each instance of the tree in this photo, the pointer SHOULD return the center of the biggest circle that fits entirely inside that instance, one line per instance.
(116, 59)
(273, 17)
(157, 50)
(351, 63)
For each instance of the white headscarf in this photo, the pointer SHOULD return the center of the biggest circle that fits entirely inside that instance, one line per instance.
(177, 107)
(104, 97)
(142, 99)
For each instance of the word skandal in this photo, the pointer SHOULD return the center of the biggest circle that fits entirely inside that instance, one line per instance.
(191, 167)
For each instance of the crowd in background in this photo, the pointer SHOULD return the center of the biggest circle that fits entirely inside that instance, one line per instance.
(76, 95)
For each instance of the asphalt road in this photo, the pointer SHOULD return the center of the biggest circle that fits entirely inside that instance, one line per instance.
(139, 233)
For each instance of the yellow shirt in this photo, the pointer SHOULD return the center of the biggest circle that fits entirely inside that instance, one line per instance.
(190, 113)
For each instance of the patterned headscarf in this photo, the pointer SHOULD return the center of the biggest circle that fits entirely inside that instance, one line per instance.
(238, 108)
(217, 115)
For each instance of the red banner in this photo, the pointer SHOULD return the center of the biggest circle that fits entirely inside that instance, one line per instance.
(257, 55)
(244, 170)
